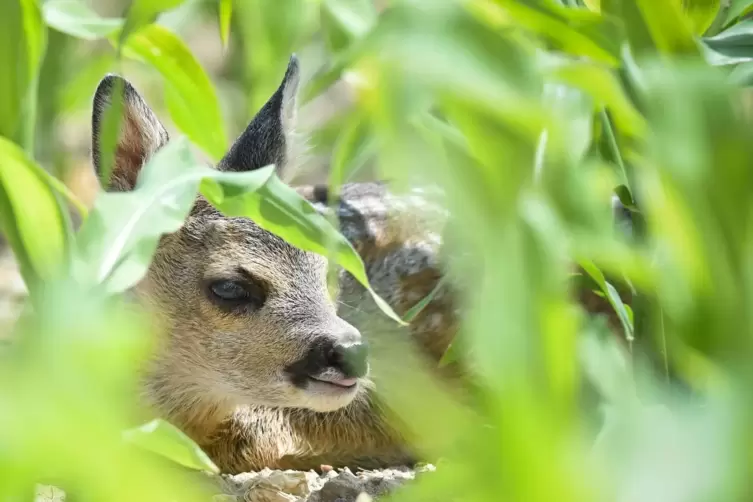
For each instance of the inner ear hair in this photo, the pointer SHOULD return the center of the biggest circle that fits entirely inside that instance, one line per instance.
(140, 133)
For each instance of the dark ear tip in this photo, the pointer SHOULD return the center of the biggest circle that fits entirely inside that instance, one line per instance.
(294, 68)
(108, 84)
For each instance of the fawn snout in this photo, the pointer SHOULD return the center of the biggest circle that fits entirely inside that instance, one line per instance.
(332, 359)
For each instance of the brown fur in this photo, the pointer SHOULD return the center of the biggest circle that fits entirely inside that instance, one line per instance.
(220, 375)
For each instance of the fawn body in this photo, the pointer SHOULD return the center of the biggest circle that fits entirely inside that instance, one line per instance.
(258, 365)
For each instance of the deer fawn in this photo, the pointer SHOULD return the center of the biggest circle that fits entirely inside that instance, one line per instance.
(257, 365)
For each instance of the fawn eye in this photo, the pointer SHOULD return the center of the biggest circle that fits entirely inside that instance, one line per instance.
(229, 293)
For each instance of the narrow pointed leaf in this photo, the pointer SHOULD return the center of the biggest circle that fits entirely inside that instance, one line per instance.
(189, 93)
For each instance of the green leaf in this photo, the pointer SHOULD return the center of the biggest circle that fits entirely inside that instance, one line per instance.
(226, 13)
(167, 440)
(653, 26)
(737, 8)
(604, 87)
(277, 208)
(122, 231)
(31, 215)
(612, 296)
(574, 110)
(77, 90)
(576, 31)
(142, 13)
(667, 27)
(413, 312)
(270, 31)
(344, 21)
(22, 45)
(731, 46)
(121, 234)
(76, 19)
(353, 148)
(189, 93)
(700, 13)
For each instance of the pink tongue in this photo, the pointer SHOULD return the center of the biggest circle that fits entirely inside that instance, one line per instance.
(345, 382)
(340, 382)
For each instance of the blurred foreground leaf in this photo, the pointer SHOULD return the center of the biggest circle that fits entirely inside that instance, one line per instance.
(22, 46)
(700, 13)
(344, 21)
(31, 216)
(165, 439)
(612, 295)
(142, 13)
(226, 14)
(77, 19)
(731, 46)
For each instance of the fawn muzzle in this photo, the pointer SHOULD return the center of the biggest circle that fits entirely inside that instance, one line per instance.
(339, 361)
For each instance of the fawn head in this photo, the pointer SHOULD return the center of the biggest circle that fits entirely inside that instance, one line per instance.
(248, 317)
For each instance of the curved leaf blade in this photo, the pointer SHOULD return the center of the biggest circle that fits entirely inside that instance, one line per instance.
(190, 95)
(142, 13)
(167, 440)
(226, 14)
(612, 296)
(22, 45)
(731, 46)
(278, 208)
(76, 19)
(32, 216)
(700, 14)
(121, 234)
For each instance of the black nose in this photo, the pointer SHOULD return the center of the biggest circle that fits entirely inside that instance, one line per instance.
(351, 359)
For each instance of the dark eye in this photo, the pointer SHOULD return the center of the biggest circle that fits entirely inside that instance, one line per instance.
(232, 294)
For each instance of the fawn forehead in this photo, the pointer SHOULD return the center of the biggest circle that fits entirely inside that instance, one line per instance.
(230, 243)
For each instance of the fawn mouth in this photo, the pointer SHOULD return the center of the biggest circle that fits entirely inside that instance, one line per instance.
(335, 381)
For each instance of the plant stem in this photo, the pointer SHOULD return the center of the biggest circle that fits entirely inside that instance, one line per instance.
(613, 147)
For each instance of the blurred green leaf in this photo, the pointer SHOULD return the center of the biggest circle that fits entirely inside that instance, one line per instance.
(653, 25)
(574, 110)
(326, 76)
(270, 31)
(226, 14)
(344, 21)
(142, 13)
(77, 89)
(353, 148)
(22, 46)
(737, 8)
(732, 46)
(612, 296)
(32, 216)
(116, 243)
(66, 395)
(189, 93)
(165, 439)
(76, 19)
(742, 75)
(576, 31)
(700, 13)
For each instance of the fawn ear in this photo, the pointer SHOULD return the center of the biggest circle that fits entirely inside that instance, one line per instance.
(267, 139)
(141, 134)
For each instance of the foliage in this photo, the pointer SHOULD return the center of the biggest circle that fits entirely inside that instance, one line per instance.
(531, 114)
